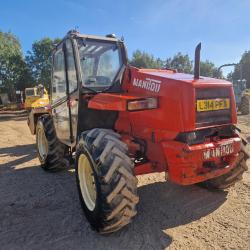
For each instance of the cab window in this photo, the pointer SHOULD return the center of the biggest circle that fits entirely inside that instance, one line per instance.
(71, 67)
(100, 63)
(58, 80)
(109, 64)
(30, 92)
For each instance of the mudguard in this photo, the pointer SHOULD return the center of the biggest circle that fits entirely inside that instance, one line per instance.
(33, 116)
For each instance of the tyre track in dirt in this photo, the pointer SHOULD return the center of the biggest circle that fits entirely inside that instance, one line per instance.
(40, 210)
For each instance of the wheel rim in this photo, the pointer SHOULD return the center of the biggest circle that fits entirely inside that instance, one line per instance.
(42, 143)
(87, 182)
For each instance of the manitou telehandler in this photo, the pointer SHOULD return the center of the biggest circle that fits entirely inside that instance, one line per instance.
(117, 121)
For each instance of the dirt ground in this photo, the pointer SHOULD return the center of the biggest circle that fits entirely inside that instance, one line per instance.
(40, 210)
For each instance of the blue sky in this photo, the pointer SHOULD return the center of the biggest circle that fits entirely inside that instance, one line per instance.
(159, 27)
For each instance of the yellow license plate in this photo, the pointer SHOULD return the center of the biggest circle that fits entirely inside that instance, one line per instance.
(213, 104)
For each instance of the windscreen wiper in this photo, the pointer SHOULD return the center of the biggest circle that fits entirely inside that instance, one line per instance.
(89, 89)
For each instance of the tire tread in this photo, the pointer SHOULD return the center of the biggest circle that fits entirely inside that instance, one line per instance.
(55, 159)
(118, 183)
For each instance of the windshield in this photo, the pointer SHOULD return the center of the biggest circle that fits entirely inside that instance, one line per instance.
(100, 63)
(30, 92)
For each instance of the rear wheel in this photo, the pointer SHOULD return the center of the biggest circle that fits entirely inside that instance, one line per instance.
(106, 184)
(245, 105)
(50, 150)
(229, 179)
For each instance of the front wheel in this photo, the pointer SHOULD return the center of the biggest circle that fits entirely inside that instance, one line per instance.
(51, 151)
(106, 184)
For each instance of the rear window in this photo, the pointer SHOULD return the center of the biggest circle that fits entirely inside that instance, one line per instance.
(100, 63)
(29, 92)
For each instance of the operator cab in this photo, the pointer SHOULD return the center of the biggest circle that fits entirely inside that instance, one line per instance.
(84, 65)
(30, 92)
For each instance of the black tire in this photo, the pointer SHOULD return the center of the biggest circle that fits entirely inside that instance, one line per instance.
(116, 185)
(245, 105)
(54, 160)
(227, 180)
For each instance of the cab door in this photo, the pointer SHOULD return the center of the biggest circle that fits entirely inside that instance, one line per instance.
(72, 88)
(64, 93)
(60, 112)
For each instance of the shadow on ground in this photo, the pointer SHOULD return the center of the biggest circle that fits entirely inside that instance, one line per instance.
(41, 210)
(23, 153)
(18, 117)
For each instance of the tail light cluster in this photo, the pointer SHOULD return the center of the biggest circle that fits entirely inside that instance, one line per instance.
(142, 104)
(200, 136)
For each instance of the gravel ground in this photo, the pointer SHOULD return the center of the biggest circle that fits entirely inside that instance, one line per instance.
(40, 210)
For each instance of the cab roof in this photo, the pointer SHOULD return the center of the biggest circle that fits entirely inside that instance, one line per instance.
(85, 36)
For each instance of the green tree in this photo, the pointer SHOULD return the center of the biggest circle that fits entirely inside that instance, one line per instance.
(25, 75)
(245, 64)
(13, 70)
(144, 60)
(208, 69)
(39, 60)
(180, 62)
(230, 76)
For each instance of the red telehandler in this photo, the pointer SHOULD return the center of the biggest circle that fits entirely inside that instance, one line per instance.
(117, 121)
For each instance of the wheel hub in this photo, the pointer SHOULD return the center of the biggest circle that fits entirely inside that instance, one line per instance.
(42, 144)
(87, 182)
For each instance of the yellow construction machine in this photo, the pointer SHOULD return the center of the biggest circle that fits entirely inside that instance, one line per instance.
(36, 97)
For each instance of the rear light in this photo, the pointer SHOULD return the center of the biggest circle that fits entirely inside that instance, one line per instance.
(199, 136)
(191, 138)
(142, 104)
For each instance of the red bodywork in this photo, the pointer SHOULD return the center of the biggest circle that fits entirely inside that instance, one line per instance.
(158, 128)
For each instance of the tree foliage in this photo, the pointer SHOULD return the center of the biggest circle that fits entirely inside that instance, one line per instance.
(245, 64)
(180, 62)
(208, 69)
(13, 70)
(39, 60)
(144, 60)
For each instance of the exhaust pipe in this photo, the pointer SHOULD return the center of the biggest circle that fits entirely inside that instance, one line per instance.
(197, 62)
